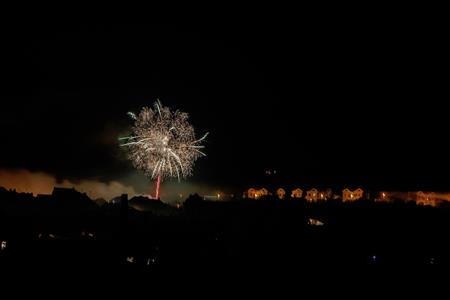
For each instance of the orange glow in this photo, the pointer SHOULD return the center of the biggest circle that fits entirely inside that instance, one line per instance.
(24, 181)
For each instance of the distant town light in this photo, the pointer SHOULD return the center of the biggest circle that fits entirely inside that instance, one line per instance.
(130, 259)
(151, 261)
(314, 222)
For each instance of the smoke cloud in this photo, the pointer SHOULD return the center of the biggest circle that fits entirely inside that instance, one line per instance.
(25, 181)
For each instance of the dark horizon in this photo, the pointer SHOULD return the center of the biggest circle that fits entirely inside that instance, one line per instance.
(323, 102)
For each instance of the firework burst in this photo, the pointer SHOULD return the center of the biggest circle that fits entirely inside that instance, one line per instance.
(163, 143)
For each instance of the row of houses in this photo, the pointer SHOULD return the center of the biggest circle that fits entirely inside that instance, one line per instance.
(312, 195)
(420, 197)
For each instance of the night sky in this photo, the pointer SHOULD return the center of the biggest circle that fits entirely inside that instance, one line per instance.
(326, 101)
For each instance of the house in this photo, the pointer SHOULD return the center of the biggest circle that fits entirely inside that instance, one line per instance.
(263, 192)
(383, 196)
(348, 195)
(297, 193)
(255, 194)
(426, 198)
(281, 193)
(251, 193)
(312, 195)
(358, 194)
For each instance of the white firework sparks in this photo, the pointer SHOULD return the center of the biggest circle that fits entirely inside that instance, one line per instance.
(163, 143)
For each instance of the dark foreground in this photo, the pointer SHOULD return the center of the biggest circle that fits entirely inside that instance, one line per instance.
(254, 238)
